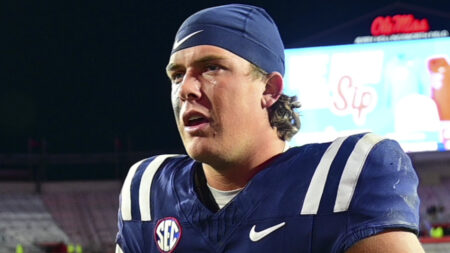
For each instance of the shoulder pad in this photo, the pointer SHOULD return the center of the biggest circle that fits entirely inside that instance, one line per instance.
(352, 170)
(147, 169)
(358, 147)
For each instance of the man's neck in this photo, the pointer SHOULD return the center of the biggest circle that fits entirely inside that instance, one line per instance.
(236, 175)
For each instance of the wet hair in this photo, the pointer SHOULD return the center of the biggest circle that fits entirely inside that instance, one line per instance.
(282, 114)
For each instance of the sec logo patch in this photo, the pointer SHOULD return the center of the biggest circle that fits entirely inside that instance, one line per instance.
(167, 234)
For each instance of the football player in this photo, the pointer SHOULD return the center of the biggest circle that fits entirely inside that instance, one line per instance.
(240, 188)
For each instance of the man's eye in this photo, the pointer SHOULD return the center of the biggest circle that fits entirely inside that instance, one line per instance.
(177, 77)
(212, 68)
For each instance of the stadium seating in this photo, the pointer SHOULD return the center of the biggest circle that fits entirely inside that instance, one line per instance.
(25, 220)
(86, 211)
(83, 213)
(435, 211)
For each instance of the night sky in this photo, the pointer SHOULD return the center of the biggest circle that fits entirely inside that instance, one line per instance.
(80, 74)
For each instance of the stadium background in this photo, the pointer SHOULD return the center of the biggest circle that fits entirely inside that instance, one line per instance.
(84, 95)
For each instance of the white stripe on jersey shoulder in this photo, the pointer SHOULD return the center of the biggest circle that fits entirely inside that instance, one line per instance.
(125, 194)
(125, 203)
(353, 169)
(118, 249)
(146, 185)
(317, 184)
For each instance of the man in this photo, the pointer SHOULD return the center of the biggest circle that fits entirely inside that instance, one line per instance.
(240, 189)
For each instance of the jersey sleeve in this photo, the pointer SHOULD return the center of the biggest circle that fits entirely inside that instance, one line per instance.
(125, 223)
(385, 196)
(135, 208)
(128, 239)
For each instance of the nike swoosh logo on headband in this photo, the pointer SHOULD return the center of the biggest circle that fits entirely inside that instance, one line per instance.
(181, 41)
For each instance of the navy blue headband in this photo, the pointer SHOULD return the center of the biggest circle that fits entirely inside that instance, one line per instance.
(244, 30)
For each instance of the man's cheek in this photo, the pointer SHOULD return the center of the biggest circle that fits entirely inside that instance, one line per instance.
(175, 102)
(176, 110)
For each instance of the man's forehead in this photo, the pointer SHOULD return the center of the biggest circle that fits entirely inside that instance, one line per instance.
(198, 54)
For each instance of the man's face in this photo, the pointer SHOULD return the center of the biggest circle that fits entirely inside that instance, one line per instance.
(217, 103)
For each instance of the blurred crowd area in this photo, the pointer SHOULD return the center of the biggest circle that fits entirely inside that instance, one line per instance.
(69, 217)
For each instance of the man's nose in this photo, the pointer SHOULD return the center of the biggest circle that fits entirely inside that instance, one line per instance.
(190, 88)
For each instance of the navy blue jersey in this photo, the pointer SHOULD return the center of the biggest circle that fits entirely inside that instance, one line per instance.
(313, 198)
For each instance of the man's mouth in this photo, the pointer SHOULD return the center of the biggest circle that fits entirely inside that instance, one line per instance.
(196, 120)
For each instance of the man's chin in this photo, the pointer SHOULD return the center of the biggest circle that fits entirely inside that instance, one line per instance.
(199, 156)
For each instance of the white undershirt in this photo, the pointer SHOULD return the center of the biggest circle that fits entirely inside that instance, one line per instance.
(224, 197)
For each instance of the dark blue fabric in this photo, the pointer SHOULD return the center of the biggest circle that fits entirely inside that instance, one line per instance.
(136, 182)
(244, 30)
(385, 198)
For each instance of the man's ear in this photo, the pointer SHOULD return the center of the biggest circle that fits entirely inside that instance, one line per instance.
(274, 88)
